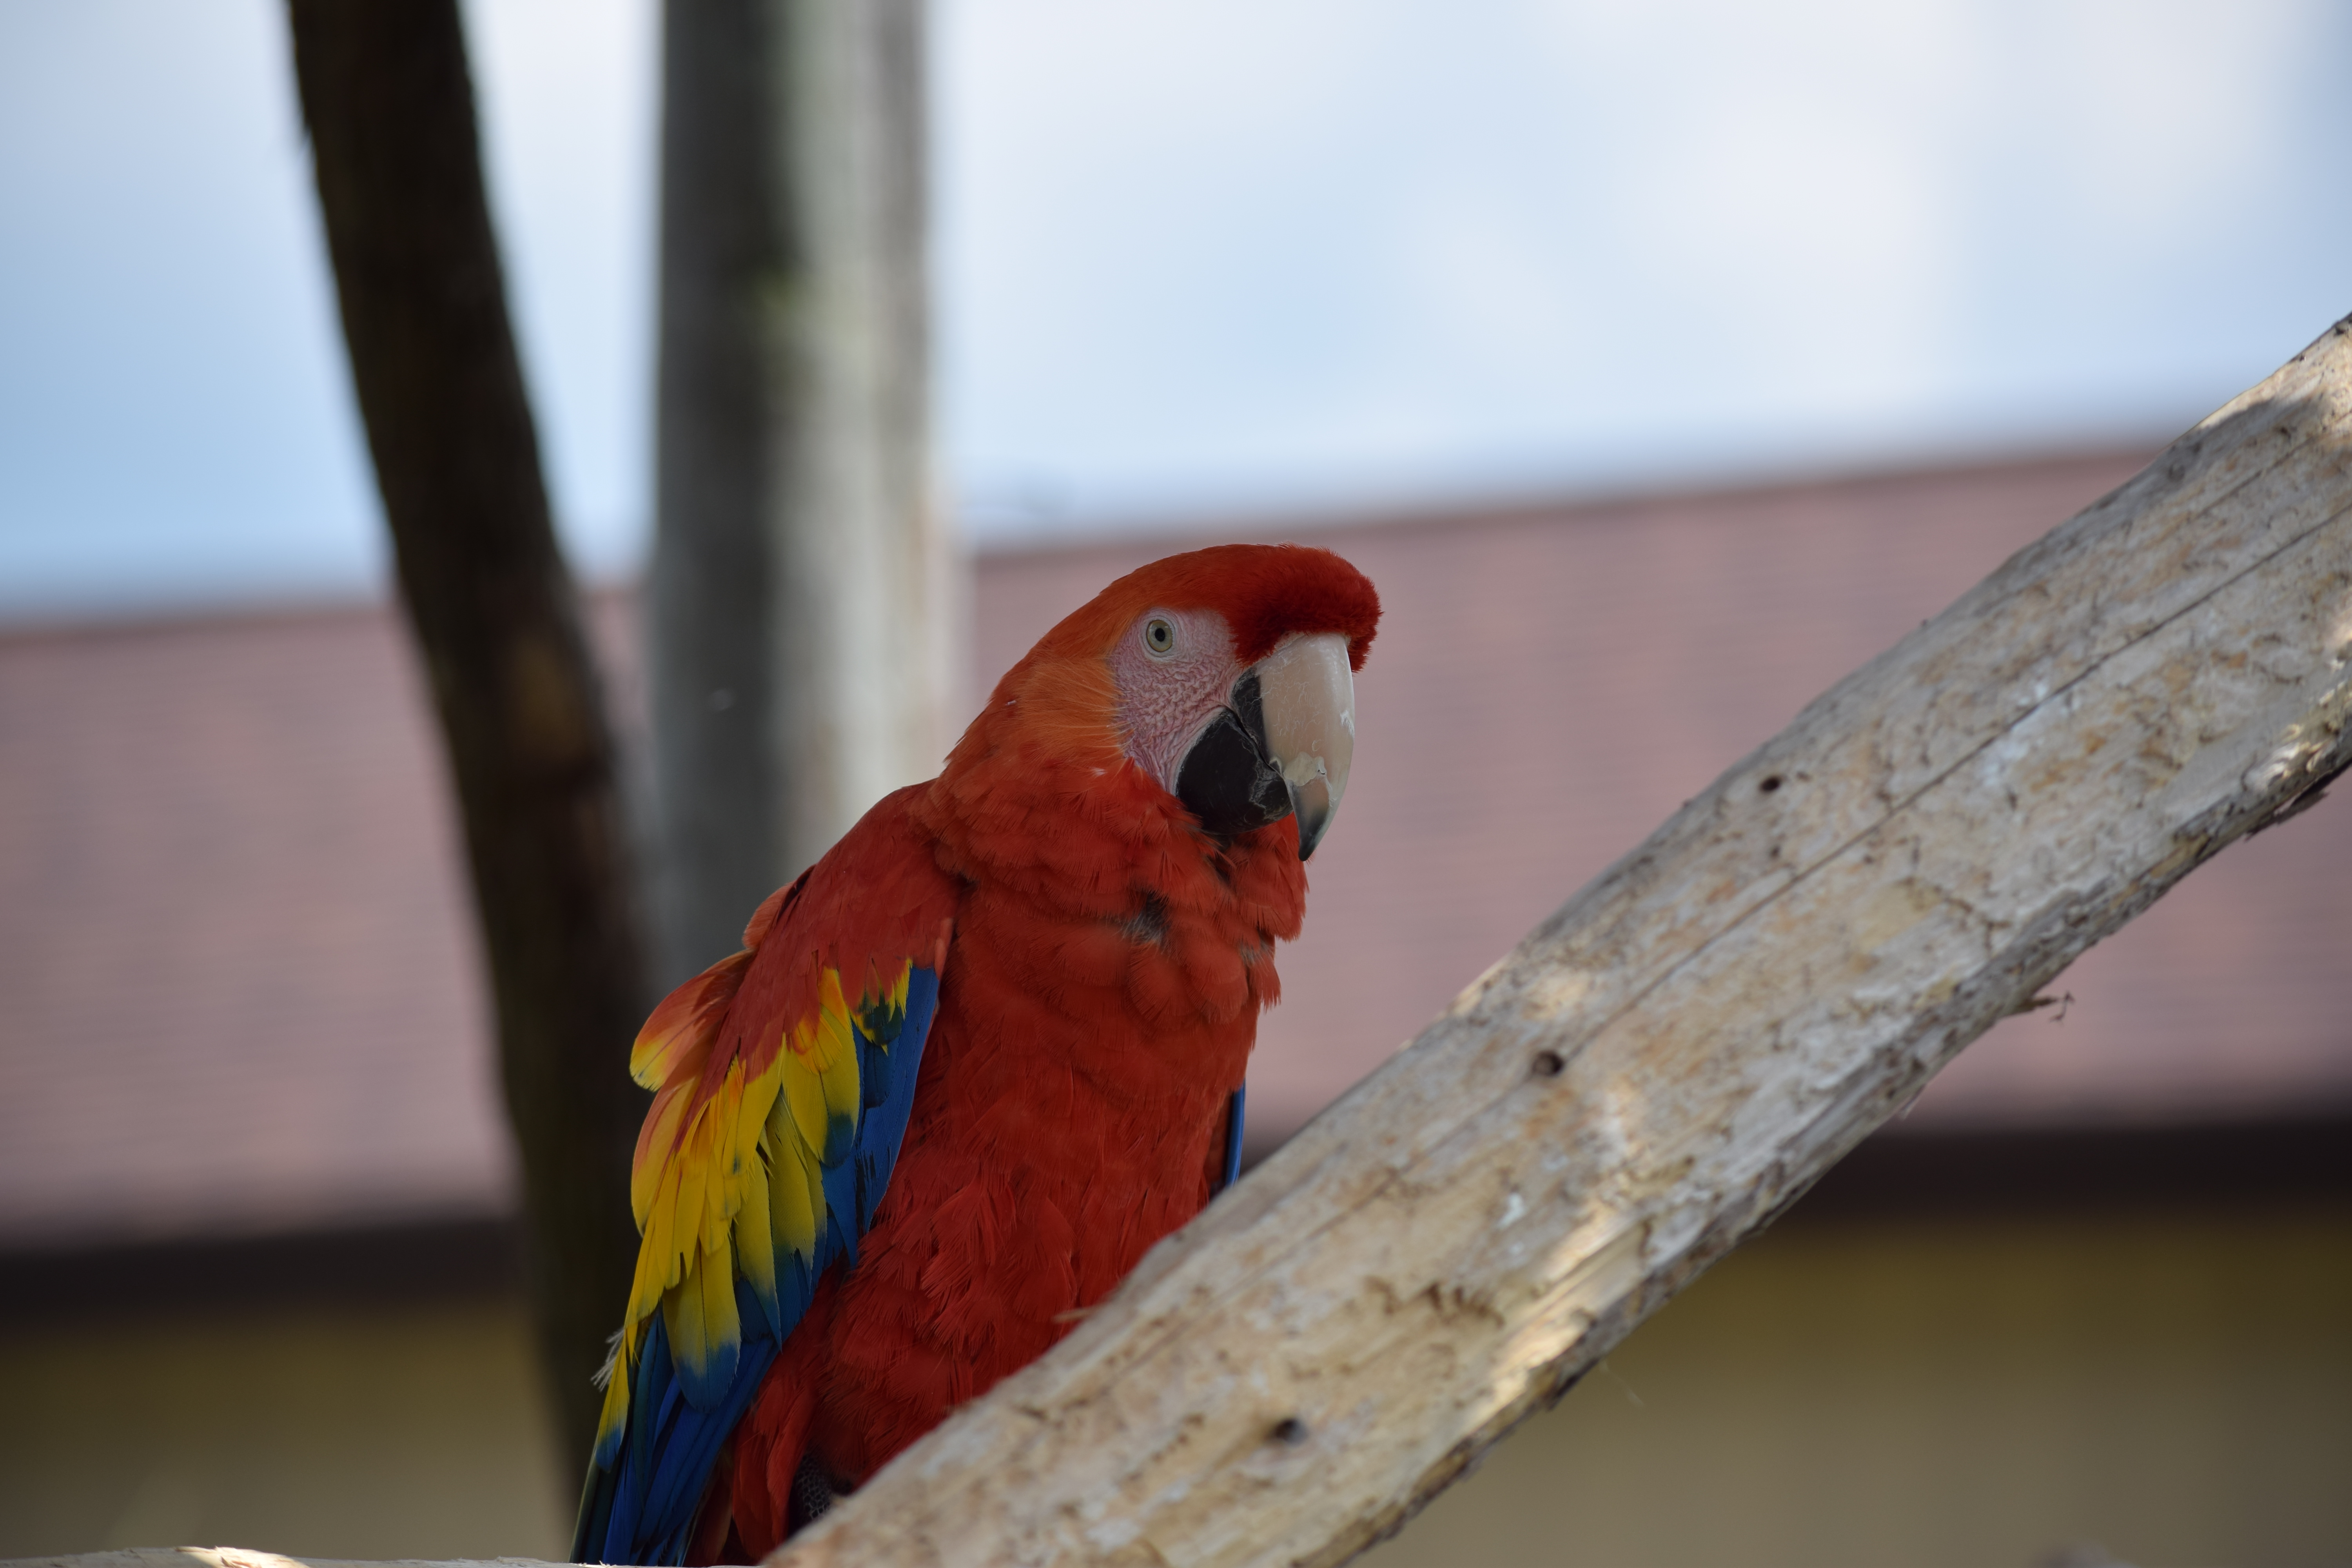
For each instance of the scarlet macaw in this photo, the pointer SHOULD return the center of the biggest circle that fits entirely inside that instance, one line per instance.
(976, 1060)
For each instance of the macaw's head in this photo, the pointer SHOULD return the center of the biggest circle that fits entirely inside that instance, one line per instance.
(1219, 683)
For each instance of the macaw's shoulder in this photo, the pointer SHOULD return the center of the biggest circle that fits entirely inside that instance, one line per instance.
(876, 901)
(844, 934)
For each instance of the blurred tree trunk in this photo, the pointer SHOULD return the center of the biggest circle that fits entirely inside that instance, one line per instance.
(804, 600)
(389, 103)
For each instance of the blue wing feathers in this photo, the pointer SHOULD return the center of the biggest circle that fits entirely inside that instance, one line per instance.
(885, 1127)
(707, 1385)
(1234, 1138)
(686, 1444)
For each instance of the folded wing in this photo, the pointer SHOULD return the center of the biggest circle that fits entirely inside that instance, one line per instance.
(783, 1077)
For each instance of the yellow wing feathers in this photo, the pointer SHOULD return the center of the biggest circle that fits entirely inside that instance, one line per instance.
(819, 1076)
(730, 1177)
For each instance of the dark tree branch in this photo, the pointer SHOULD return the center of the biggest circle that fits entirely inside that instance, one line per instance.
(388, 99)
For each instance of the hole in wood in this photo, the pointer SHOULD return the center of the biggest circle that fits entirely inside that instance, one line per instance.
(1549, 1063)
(1290, 1431)
(1770, 782)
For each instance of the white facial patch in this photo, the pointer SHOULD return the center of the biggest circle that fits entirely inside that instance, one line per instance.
(1166, 699)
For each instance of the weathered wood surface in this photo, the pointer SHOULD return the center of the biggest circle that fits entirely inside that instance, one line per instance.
(1674, 1056)
(1693, 1039)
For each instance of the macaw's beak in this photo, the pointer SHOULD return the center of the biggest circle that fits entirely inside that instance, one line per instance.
(1281, 743)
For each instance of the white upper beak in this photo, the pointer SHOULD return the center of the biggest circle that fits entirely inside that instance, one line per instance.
(1308, 697)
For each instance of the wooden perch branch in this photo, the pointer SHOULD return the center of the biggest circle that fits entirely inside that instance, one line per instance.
(1673, 1057)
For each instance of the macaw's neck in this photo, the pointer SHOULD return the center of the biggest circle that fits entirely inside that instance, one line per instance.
(1107, 877)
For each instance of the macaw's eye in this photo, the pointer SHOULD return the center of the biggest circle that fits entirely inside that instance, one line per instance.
(1160, 636)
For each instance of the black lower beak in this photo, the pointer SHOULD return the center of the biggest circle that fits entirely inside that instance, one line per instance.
(1229, 779)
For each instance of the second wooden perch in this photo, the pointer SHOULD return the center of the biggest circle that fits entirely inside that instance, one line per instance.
(1684, 1047)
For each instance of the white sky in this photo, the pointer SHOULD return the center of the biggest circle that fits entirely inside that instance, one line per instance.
(1208, 255)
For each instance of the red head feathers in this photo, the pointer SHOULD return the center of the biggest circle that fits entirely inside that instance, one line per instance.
(1265, 592)
(1207, 691)
(1063, 698)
